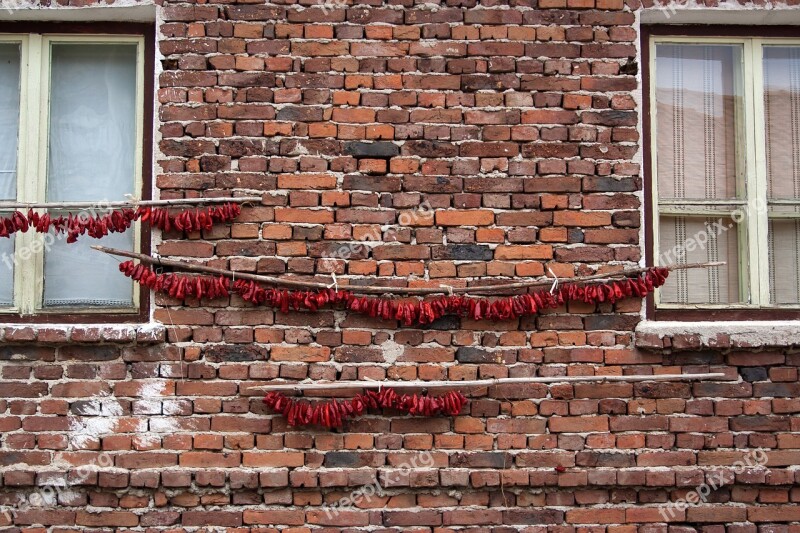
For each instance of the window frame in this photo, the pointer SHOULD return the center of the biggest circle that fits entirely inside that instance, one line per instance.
(35, 40)
(752, 39)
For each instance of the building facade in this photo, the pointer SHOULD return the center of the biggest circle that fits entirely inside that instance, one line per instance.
(416, 144)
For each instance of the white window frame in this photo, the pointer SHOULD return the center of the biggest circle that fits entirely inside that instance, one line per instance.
(32, 159)
(753, 231)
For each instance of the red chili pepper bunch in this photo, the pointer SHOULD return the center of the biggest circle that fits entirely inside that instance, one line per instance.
(284, 300)
(190, 219)
(175, 285)
(117, 221)
(426, 311)
(333, 413)
(408, 312)
(74, 226)
(13, 223)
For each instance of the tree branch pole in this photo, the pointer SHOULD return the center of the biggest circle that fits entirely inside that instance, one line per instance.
(373, 289)
(131, 203)
(338, 385)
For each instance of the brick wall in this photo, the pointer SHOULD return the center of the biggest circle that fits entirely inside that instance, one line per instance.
(518, 124)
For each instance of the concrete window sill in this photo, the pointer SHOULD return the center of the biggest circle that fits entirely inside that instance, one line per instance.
(148, 333)
(662, 335)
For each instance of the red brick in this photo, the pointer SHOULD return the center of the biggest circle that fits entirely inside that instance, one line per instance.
(577, 424)
(464, 218)
(272, 459)
(533, 251)
(581, 218)
(517, 129)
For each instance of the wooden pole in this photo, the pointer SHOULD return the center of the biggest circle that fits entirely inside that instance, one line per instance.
(373, 289)
(132, 203)
(337, 385)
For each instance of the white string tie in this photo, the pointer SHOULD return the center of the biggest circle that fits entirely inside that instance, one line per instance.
(555, 281)
(335, 284)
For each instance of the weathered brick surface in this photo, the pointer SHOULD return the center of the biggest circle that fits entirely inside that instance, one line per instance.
(515, 127)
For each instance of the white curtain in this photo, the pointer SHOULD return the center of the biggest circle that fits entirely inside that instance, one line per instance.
(9, 131)
(782, 119)
(6, 272)
(92, 122)
(9, 119)
(77, 276)
(91, 157)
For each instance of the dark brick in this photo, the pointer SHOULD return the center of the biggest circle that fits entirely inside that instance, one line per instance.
(468, 354)
(481, 460)
(26, 353)
(434, 149)
(449, 322)
(533, 516)
(234, 353)
(607, 459)
(608, 184)
(760, 423)
(462, 252)
(756, 373)
(371, 150)
(791, 390)
(360, 182)
(88, 353)
(300, 114)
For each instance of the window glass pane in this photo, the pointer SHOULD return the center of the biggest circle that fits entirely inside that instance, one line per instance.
(9, 119)
(92, 122)
(782, 120)
(686, 240)
(6, 271)
(784, 261)
(698, 120)
(77, 276)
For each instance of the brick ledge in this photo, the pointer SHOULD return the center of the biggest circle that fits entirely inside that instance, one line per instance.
(147, 333)
(723, 335)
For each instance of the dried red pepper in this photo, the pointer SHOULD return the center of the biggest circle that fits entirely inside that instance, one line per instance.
(333, 413)
(117, 221)
(408, 312)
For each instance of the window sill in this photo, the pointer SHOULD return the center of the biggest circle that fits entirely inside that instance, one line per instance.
(147, 333)
(723, 335)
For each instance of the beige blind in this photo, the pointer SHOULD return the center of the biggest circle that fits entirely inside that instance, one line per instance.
(782, 122)
(784, 258)
(698, 123)
(714, 240)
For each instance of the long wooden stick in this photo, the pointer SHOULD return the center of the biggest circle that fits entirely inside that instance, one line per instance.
(337, 385)
(373, 289)
(131, 203)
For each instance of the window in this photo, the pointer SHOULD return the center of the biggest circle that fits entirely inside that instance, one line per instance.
(71, 129)
(725, 169)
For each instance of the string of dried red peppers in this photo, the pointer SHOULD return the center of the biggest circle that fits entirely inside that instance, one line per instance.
(118, 221)
(333, 413)
(408, 312)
